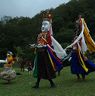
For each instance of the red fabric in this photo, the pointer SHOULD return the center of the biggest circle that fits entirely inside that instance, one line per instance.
(49, 39)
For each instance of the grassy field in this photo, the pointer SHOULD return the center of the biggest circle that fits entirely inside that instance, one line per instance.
(66, 85)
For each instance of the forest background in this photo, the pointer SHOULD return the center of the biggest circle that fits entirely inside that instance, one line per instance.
(16, 33)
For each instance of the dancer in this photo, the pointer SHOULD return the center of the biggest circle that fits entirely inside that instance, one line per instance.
(80, 64)
(44, 68)
(76, 67)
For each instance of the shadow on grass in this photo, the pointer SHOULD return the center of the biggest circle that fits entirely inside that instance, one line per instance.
(4, 82)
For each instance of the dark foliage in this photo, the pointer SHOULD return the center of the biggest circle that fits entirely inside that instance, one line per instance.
(21, 31)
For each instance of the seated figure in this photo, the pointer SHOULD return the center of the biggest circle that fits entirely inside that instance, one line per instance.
(8, 73)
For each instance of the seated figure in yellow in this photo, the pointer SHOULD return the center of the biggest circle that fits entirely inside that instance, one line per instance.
(10, 60)
(8, 73)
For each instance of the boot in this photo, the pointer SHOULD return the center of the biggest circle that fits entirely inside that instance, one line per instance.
(78, 76)
(52, 84)
(36, 85)
(83, 76)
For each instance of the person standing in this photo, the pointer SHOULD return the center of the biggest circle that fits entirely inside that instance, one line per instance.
(44, 68)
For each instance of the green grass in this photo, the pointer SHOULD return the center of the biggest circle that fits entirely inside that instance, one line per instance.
(66, 85)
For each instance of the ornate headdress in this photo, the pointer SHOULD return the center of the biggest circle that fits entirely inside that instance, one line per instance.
(47, 16)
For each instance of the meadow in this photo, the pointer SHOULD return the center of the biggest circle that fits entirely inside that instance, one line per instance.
(66, 85)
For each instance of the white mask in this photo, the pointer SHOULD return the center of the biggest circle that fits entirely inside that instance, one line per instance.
(45, 26)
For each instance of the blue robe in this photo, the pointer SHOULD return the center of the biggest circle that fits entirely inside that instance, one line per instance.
(76, 67)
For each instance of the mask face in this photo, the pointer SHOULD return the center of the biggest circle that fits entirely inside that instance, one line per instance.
(9, 58)
(45, 26)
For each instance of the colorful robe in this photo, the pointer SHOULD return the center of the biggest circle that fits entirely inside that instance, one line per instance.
(45, 64)
(77, 64)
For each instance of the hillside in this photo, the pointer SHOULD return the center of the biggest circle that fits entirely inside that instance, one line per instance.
(16, 33)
